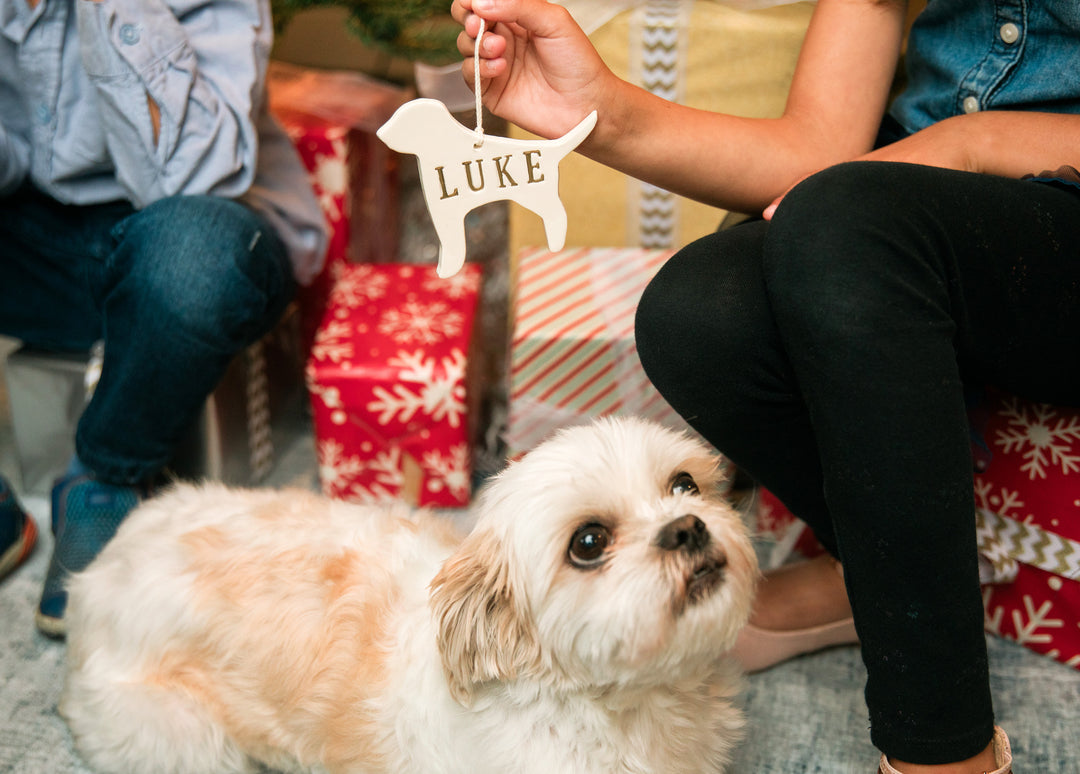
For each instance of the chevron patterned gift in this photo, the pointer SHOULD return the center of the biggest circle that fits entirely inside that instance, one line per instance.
(573, 355)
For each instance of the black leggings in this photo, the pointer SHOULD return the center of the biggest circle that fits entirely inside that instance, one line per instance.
(827, 352)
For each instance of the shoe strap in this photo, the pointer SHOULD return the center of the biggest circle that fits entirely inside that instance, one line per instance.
(1002, 756)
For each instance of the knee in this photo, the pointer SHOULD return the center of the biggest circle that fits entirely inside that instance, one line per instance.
(700, 314)
(206, 264)
(836, 252)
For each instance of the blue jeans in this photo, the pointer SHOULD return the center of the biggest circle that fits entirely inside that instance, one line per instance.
(175, 291)
(827, 353)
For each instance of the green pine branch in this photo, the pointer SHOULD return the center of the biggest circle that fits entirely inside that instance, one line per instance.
(415, 29)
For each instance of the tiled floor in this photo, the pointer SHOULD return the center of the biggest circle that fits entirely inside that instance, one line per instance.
(806, 716)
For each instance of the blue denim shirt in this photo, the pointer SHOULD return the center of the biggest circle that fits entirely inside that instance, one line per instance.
(74, 119)
(969, 55)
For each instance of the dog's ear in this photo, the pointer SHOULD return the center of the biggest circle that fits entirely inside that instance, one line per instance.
(484, 631)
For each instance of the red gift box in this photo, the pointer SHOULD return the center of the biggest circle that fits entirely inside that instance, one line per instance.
(1027, 489)
(331, 117)
(388, 382)
(1027, 493)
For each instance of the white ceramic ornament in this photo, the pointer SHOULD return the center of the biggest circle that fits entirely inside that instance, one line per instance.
(458, 174)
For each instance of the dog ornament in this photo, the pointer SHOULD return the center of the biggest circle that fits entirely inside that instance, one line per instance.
(459, 173)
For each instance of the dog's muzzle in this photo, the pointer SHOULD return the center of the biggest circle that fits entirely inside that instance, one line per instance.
(689, 536)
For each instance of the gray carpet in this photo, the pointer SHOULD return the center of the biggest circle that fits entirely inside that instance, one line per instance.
(805, 716)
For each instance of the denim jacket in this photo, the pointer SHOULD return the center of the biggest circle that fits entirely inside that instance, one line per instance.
(969, 55)
(74, 80)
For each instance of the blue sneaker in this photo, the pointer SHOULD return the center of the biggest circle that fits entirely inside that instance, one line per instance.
(18, 532)
(85, 515)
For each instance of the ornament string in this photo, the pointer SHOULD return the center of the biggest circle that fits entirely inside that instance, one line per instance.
(476, 87)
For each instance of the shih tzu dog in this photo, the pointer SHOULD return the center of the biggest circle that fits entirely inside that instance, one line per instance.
(580, 628)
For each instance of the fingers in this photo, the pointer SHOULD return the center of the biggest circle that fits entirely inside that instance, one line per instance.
(460, 9)
(539, 17)
(492, 63)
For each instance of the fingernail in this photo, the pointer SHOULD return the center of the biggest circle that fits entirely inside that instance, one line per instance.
(767, 213)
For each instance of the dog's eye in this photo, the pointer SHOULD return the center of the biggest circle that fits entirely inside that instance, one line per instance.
(588, 545)
(684, 484)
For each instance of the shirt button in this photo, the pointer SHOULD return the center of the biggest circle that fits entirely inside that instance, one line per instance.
(1009, 33)
(129, 35)
(43, 113)
(971, 104)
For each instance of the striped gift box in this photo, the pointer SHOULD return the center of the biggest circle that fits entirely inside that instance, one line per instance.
(573, 355)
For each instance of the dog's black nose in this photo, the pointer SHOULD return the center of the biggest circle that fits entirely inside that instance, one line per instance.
(688, 533)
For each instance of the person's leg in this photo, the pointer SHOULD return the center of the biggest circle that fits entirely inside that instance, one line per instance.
(707, 340)
(47, 250)
(889, 283)
(44, 248)
(190, 282)
(174, 290)
(864, 316)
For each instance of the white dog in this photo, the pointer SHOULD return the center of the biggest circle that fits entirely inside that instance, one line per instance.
(580, 628)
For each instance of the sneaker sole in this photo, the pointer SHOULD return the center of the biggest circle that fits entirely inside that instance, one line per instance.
(20, 549)
(49, 626)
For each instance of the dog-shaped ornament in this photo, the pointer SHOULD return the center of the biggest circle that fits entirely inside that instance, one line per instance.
(458, 173)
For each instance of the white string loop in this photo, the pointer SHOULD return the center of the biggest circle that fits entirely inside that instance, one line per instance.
(476, 87)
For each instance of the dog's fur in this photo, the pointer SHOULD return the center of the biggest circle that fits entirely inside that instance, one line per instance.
(224, 627)
(426, 129)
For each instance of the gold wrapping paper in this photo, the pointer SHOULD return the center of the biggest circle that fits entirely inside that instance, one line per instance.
(728, 60)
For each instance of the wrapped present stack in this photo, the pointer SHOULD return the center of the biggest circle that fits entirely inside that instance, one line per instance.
(331, 117)
(389, 380)
(573, 355)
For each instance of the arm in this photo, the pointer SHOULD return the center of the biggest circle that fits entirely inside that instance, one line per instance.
(987, 143)
(1009, 143)
(179, 84)
(542, 73)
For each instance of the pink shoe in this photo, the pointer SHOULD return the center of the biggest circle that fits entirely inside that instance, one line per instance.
(1002, 756)
(757, 649)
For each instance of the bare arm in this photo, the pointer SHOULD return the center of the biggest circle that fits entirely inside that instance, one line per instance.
(541, 72)
(1008, 143)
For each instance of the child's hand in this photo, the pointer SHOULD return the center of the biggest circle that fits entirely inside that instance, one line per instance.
(538, 69)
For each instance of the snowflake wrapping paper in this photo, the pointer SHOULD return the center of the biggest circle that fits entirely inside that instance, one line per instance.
(388, 379)
(331, 118)
(572, 353)
(1027, 496)
(1027, 489)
